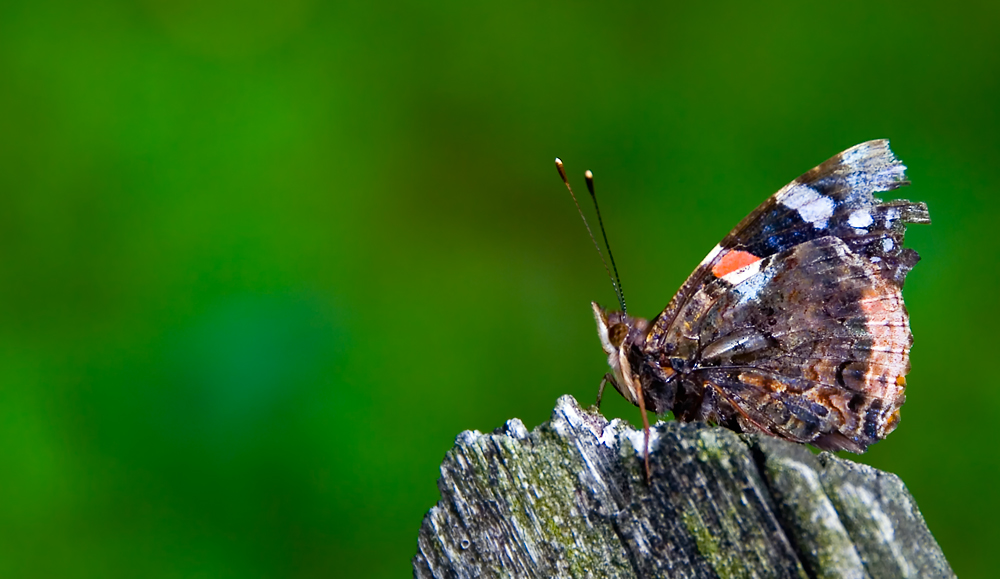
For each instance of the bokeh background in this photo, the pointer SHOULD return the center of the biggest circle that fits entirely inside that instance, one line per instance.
(261, 262)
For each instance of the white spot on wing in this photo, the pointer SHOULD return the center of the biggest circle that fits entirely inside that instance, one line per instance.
(751, 286)
(812, 207)
(888, 244)
(817, 212)
(860, 218)
(739, 276)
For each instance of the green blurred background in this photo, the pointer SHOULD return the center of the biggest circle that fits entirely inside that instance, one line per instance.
(261, 262)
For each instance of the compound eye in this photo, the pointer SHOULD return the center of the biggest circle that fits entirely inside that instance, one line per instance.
(617, 334)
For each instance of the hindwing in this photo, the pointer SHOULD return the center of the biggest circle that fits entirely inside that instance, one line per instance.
(814, 341)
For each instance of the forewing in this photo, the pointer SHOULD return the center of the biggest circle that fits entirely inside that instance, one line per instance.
(834, 199)
(811, 342)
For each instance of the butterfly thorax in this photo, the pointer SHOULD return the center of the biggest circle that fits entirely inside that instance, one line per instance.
(623, 338)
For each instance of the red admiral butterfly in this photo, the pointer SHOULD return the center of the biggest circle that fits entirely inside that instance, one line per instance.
(794, 324)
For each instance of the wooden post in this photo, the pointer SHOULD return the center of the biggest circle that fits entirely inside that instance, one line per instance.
(570, 499)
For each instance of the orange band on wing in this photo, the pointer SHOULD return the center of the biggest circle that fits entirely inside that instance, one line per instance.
(733, 261)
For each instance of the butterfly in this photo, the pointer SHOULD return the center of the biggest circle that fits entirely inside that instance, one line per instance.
(794, 324)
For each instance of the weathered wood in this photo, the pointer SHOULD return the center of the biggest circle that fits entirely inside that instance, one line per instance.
(569, 499)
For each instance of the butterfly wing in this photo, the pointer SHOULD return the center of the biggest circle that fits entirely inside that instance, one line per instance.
(815, 341)
(833, 199)
(794, 324)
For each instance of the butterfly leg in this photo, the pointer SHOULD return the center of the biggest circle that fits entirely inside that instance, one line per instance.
(645, 425)
(600, 391)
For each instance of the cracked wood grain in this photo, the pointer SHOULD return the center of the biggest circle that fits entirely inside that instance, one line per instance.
(569, 499)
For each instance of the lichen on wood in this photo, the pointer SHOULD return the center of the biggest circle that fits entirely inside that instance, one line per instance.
(570, 499)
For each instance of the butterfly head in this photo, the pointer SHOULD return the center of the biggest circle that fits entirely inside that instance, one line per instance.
(618, 333)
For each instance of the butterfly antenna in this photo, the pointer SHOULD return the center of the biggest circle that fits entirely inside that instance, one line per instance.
(590, 185)
(617, 282)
